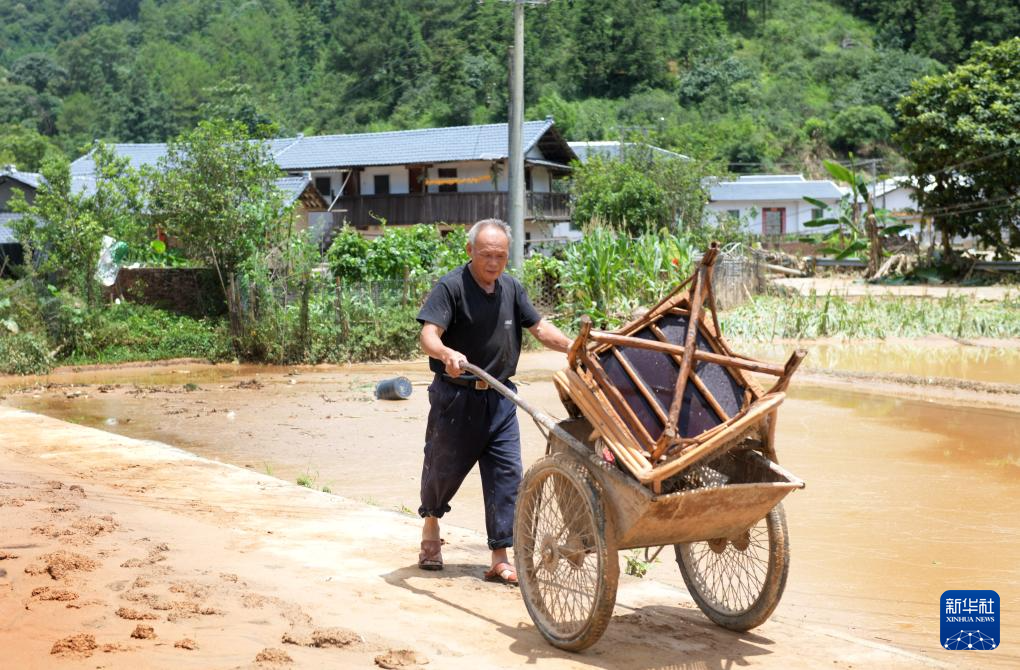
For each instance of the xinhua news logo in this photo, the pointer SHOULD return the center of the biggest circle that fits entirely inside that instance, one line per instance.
(970, 620)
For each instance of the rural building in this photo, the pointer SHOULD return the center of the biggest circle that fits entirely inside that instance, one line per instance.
(12, 179)
(434, 175)
(774, 205)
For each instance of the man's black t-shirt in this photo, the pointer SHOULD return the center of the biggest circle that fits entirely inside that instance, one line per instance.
(485, 327)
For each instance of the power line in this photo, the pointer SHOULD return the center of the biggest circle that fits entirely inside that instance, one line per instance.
(950, 168)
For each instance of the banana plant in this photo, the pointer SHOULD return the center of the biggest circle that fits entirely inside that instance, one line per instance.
(851, 238)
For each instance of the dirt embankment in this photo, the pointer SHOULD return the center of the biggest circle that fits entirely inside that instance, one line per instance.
(124, 554)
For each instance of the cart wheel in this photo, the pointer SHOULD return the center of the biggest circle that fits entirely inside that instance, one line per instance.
(737, 582)
(565, 550)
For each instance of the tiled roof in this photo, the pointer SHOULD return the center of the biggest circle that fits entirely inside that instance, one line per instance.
(32, 179)
(293, 187)
(7, 221)
(400, 147)
(758, 188)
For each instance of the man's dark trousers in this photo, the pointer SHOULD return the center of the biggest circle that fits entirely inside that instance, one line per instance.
(468, 426)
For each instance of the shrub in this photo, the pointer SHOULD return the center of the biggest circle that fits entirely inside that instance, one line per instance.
(24, 354)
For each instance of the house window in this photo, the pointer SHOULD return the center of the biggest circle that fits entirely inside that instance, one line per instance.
(733, 213)
(447, 173)
(382, 184)
(324, 185)
(527, 179)
(817, 213)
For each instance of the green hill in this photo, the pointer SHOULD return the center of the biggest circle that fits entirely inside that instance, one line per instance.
(773, 84)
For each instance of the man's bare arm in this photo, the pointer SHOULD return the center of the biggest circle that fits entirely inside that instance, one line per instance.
(551, 336)
(432, 345)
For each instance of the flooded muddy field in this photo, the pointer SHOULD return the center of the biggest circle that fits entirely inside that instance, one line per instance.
(995, 362)
(905, 498)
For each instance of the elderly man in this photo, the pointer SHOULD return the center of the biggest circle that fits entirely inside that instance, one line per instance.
(476, 314)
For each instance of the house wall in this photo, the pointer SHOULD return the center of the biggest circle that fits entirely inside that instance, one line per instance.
(467, 169)
(899, 201)
(7, 187)
(797, 213)
(541, 178)
(399, 183)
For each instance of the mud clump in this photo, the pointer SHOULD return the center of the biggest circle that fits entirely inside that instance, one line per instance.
(46, 593)
(143, 632)
(11, 502)
(116, 646)
(186, 643)
(4, 556)
(135, 615)
(60, 563)
(95, 525)
(81, 645)
(395, 659)
(325, 637)
(335, 637)
(271, 655)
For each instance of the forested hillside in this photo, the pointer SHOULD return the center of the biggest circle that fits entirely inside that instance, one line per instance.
(767, 84)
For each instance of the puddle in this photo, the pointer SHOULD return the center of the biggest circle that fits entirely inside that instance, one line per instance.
(905, 499)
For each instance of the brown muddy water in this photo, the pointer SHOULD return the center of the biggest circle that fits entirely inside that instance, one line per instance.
(905, 498)
(933, 358)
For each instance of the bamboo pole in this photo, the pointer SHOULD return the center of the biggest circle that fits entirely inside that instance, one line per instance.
(707, 393)
(614, 435)
(687, 359)
(579, 342)
(641, 386)
(718, 441)
(609, 389)
(791, 366)
(699, 355)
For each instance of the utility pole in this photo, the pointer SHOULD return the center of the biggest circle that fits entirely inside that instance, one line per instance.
(516, 123)
(516, 172)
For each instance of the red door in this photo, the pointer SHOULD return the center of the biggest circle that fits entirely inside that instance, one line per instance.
(773, 221)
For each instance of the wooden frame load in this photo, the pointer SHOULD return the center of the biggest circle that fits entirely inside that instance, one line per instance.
(663, 396)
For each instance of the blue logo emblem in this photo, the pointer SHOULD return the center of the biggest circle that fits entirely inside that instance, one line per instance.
(970, 620)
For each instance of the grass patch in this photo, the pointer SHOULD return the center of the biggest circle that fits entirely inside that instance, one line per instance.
(130, 332)
(766, 318)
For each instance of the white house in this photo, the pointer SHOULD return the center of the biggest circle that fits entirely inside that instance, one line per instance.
(774, 205)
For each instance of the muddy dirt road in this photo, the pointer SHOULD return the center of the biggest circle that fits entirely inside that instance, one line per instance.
(876, 536)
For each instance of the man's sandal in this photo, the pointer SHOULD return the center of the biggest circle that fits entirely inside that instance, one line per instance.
(431, 556)
(502, 573)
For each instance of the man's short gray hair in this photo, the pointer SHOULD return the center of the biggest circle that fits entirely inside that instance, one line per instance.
(489, 223)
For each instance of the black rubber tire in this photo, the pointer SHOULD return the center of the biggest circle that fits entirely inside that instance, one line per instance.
(770, 589)
(591, 542)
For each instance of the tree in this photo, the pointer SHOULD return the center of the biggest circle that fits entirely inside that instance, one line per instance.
(640, 191)
(960, 133)
(859, 128)
(38, 71)
(25, 148)
(234, 101)
(214, 192)
(63, 228)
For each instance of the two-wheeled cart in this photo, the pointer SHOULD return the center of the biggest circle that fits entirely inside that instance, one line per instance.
(670, 442)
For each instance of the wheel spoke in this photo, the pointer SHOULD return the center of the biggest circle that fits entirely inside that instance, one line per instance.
(730, 581)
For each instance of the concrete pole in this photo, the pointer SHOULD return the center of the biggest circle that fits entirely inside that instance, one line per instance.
(516, 174)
